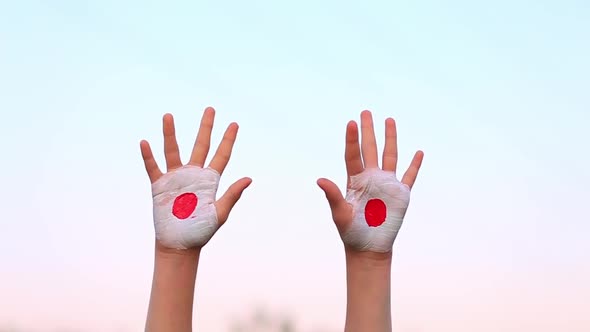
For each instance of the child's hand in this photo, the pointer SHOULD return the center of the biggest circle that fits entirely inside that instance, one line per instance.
(186, 214)
(372, 213)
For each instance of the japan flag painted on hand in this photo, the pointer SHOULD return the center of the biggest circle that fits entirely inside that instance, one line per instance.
(184, 209)
(379, 202)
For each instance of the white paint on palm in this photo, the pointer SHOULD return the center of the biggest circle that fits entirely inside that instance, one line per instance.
(198, 228)
(375, 184)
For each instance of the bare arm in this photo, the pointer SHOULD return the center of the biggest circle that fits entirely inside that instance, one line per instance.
(368, 281)
(173, 286)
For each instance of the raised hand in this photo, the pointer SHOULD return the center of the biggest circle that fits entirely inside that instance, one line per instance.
(186, 212)
(370, 216)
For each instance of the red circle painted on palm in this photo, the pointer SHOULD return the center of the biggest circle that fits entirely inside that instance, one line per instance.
(184, 205)
(375, 212)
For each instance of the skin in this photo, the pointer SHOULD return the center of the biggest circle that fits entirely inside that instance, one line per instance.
(368, 274)
(175, 271)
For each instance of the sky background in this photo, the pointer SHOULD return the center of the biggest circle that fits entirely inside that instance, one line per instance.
(495, 93)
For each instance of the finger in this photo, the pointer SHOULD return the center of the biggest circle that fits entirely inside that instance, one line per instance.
(412, 172)
(151, 166)
(352, 152)
(390, 149)
(221, 158)
(340, 208)
(170, 145)
(226, 203)
(368, 143)
(203, 141)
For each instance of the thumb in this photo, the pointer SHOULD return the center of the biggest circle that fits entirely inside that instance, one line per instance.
(225, 204)
(341, 210)
(333, 194)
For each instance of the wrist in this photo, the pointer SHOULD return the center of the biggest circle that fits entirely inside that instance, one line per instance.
(368, 259)
(165, 253)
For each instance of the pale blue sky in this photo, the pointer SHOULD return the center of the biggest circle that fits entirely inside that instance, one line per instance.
(496, 94)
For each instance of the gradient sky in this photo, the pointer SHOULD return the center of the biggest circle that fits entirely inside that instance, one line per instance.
(495, 93)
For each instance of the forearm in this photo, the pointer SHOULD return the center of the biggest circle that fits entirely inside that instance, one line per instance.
(171, 301)
(368, 277)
